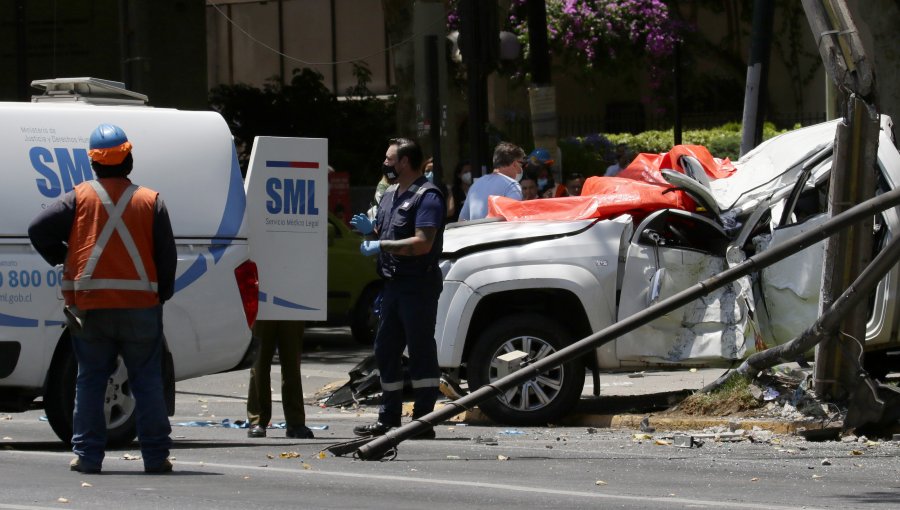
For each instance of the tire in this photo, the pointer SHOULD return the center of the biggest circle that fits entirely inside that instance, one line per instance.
(364, 322)
(59, 402)
(540, 400)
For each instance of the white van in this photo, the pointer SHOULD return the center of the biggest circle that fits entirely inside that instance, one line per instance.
(190, 159)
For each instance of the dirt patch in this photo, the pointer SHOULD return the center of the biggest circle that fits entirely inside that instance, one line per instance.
(732, 399)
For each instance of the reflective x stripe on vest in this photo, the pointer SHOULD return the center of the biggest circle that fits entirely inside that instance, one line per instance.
(113, 224)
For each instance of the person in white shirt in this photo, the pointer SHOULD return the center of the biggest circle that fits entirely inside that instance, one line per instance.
(623, 159)
(508, 169)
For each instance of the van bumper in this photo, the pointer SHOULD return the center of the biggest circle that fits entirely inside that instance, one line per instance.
(250, 355)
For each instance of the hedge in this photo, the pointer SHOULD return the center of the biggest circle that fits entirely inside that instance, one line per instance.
(591, 154)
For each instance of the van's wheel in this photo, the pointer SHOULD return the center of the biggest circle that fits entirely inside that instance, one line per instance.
(364, 323)
(59, 402)
(538, 400)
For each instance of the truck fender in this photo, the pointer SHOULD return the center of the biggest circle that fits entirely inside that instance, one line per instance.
(459, 300)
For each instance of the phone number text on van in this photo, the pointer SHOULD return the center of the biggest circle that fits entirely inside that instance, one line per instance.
(27, 279)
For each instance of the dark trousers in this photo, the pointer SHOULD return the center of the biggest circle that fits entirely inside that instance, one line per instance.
(287, 336)
(136, 335)
(408, 313)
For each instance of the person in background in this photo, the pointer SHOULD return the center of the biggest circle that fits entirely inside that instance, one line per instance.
(439, 182)
(380, 188)
(462, 181)
(623, 158)
(539, 164)
(529, 188)
(115, 242)
(287, 336)
(407, 236)
(503, 181)
(574, 182)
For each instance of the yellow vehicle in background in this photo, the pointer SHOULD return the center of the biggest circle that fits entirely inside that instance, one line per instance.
(353, 284)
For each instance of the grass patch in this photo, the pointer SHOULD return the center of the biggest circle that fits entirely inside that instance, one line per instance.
(733, 397)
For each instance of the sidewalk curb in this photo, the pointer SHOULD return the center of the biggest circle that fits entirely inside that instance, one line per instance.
(687, 423)
(632, 421)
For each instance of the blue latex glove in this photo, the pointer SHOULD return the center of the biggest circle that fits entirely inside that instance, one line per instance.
(362, 223)
(369, 248)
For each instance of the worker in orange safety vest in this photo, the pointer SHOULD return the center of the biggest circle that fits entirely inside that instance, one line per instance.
(115, 241)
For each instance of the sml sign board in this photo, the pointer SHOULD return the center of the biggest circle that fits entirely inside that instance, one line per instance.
(287, 208)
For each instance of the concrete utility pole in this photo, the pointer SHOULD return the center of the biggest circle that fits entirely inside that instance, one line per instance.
(755, 96)
(852, 181)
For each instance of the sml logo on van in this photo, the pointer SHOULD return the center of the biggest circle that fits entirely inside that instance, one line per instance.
(61, 169)
(291, 196)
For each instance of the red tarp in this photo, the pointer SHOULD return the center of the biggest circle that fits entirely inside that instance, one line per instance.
(637, 190)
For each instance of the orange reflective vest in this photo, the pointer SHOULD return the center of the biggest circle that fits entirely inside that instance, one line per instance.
(110, 259)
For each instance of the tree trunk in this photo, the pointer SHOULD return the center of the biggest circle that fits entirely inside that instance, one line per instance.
(398, 23)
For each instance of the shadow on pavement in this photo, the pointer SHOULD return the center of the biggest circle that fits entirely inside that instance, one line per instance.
(631, 404)
(37, 446)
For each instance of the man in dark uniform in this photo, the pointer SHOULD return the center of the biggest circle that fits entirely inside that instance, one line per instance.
(407, 236)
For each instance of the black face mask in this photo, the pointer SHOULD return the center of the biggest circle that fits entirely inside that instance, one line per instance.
(389, 172)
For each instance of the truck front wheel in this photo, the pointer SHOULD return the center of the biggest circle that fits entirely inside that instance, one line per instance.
(538, 400)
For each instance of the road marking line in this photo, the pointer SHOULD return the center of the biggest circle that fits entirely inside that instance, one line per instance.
(447, 482)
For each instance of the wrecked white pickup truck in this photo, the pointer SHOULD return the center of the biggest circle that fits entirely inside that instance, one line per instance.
(518, 291)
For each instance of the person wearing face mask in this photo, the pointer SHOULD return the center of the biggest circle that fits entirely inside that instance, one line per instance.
(407, 236)
(462, 181)
(540, 164)
(504, 181)
(435, 178)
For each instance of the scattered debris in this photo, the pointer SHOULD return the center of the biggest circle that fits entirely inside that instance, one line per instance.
(62, 500)
(826, 462)
(662, 442)
(856, 452)
(453, 457)
(600, 482)
(502, 457)
(306, 466)
(85, 484)
(645, 425)
(511, 432)
(129, 456)
(642, 437)
(686, 441)
(289, 455)
(754, 479)
(635, 375)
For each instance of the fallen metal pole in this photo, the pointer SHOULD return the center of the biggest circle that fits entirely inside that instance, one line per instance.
(379, 446)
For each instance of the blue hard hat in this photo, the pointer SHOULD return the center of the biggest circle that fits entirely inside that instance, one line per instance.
(109, 145)
(107, 136)
(540, 156)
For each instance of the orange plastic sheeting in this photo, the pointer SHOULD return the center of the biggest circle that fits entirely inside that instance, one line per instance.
(646, 167)
(611, 196)
(637, 190)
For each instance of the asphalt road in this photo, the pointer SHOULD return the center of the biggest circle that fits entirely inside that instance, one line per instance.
(465, 467)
